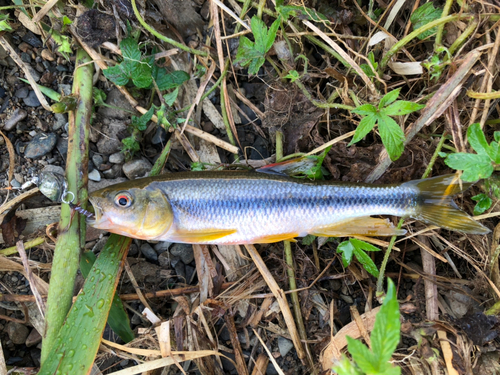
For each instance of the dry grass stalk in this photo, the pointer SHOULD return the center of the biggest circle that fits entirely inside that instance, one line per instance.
(261, 365)
(241, 366)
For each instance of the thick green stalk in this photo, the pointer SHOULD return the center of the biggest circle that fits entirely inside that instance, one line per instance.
(440, 30)
(71, 237)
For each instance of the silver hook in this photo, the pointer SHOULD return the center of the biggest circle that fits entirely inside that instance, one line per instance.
(65, 194)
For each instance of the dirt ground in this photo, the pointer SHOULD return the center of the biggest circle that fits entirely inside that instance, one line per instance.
(215, 297)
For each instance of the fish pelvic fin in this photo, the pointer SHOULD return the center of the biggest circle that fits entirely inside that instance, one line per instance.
(365, 226)
(435, 204)
(277, 238)
(201, 236)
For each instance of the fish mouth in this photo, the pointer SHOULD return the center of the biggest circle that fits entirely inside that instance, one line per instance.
(96, 217)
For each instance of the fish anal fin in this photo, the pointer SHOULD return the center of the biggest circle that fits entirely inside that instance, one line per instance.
(201, 236)
(364, 226)
(277, 238)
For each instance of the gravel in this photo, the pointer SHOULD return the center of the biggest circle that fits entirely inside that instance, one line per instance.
(40, 145)
(136, 168)
(31, 100)
(18, 115)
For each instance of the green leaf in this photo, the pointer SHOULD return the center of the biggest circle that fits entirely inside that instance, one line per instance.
(130, 50)
(401, 107)
(347, 250)
(116, 75)
(99, 96)
(362, 245)
(477, 139)
(365, 260)
(308, 240)
(475, 166)
(292, 75)
(63, 42)
(171, 80)
(483, 203)
(496, 135)
(365, 110)
(197, 166)
(386, 331)
(346, 367)
(392, 136)
(130, 145)
(422, 16)
(287, 11)
(494, 152)
(4, 23)
(365, 126)
(389, 98)
(141, 123)
(364, 358)
(118, 319)
(171, 97)
(141, 74)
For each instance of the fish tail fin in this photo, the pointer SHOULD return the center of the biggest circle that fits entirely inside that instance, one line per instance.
(435, 204)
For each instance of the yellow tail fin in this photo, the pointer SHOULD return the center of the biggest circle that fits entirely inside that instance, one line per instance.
(436, 206)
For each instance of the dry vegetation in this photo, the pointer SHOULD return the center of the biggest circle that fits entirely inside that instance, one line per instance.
(245, 305)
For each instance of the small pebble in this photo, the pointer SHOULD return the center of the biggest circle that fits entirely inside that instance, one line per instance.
(22, 92)
(66, 89)
(183, 251)
(31, 100)
(117, 158)
(284, 346)
(32, 40)
(97, 160)
(36, 76)
(26, 57)
(15, 184)
(18, 115)
(149, 252)
(32, 133)
(160, 136)
(23, 47)
(47, 55)
(60, 121)
(40, 145)
(95, 175)
(136, 168)
(17, 332)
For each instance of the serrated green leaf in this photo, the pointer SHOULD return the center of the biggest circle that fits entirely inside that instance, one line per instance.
(292, 75)
(363, 357)
(483, 203)
(365, 261)
(141, 74)
(401, 107)
(346, 367)
(475, 166)
(392, 136)
(496, 136)
(141, 123)
(116, 75)
(362, 245)
(307, 240)
(171, 80)
(130, 50)
(477, 139)
(365, 126)
(422, 16)
(99, 96)
(347, 250)
(494, 152)
(389, 98)
(386, 331)
(4, 23)
(365, 110)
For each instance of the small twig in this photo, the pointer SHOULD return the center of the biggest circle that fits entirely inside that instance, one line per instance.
(434, 156)
(380, 280)
(29, 275)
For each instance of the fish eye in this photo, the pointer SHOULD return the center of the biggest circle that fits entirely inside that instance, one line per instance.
(123, 200)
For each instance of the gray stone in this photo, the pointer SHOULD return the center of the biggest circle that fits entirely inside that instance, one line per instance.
(113, 172)
(189, 273)
(162, 246)
(284, 346)
(15, 184)
(117, 158)
(22, 92)
(31, 100)
(164, 259)
(66, 89)
(183, 251)
(26, 57)
(97, 160)
(62, 146)
(132, 250)
(93, 186)
(40, 145)
(136, 168)
(60, 120)
(109, 143)
(36, 76)
(95, 175)
(18, 115)
(33, 338)
(116, 98)
(180, 270)
(32, 40)
(149, 252)
(17, 332)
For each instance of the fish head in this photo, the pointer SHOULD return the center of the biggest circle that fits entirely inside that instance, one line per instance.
(135, 212)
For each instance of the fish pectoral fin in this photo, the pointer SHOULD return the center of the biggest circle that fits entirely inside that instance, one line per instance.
(201, 236)
(277, 238)
(366, 226)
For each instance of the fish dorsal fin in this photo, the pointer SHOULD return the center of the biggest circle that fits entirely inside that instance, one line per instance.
(201, 236)
(365, 226)
(277, 238)
(288, 167)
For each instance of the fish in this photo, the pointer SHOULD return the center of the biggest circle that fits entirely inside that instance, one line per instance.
(241, 207)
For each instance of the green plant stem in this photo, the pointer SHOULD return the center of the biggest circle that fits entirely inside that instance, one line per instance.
(403, 42)
(434, 156)
(279, 146)
(319, 104)
(52, 94)
(72, 230)
(162, 159)
(27, 245)
(464, 36)
(270, 61)
(260, 7)
(229, 132)
(380, 280)
(164, 38)
(493, 310)
(439, 34)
